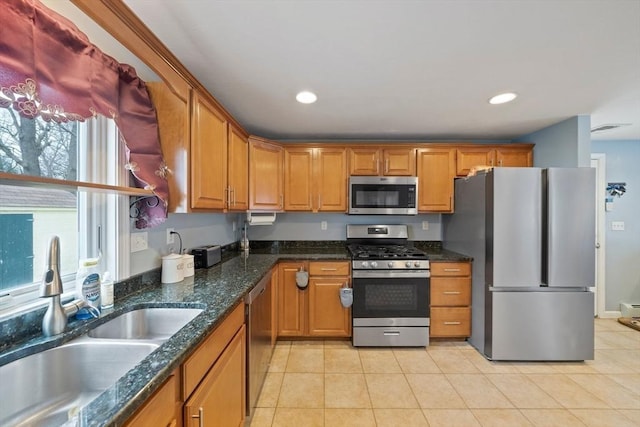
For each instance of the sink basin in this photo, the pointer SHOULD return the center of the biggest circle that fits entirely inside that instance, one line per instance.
(48, 388)
(156, 324)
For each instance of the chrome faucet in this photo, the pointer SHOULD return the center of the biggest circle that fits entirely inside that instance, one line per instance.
(55, 318)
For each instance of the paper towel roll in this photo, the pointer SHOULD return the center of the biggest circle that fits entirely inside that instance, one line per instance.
(261, 218)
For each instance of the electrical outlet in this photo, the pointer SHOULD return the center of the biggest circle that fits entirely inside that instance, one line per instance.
(139, 241)
(170, 237)
(425, 225)
(323, 225)
(617, 225)
(233, 226)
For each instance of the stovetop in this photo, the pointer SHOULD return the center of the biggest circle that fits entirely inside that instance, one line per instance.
(385, 252)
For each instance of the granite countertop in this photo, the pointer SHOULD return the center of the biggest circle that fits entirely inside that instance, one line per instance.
(216, 290)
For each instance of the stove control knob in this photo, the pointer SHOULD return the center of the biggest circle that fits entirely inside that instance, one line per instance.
(365, 264)
(390, 264)
(407, 264)
(416, 264)
(374, 264)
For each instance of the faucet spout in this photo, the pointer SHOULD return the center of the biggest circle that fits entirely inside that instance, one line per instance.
(52, 282)
(55, 319)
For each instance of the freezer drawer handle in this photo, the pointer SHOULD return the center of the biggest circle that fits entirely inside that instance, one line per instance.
(393, 333)
(451, 292)
(452, 323)
(452, 270)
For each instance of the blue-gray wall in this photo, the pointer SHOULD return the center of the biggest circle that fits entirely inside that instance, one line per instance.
(307, 226)
(622, 247)
(565, 144)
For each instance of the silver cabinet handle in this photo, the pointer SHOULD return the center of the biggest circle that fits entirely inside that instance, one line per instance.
(391, 333)
(328, 269)
(281, 201)
(451, 292)
(452, 270)
(386, 165)
(200, 417)
(233, 191)
(452, 323)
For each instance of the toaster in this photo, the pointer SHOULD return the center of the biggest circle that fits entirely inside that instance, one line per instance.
(206, 256)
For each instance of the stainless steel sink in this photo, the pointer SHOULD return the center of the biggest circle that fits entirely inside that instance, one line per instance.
(157, 324)
(48, 388)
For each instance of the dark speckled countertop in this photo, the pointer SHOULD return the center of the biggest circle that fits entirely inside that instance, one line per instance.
(216, 290)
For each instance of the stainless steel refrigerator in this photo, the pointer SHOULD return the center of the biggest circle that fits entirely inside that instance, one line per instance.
(531, 233)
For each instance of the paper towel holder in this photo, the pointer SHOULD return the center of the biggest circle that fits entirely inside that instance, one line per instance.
(261, 218)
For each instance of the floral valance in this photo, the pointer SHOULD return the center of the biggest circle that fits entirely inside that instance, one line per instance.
(50, 69)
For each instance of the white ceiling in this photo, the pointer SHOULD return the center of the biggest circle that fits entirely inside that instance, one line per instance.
(409, 69)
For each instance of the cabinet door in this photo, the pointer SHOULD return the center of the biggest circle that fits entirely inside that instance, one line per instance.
(364, 161)
(172, 112)
(435, 179)
(292, 308)
(469, 157)
(238, 192)
(220, 399)
(298, 179)
(514, 157)
(208, 156)
(163, 409)
(399, 162)
(330, 172)
(327, 316)
(265, 175)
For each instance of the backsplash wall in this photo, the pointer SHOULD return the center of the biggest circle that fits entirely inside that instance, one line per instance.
(307, 226)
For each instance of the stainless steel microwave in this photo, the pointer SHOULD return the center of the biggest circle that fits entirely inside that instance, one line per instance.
(383, 195)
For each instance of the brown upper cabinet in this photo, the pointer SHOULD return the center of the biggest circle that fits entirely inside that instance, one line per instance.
(436, 171)
(265, 175)
(208, 156)
(468, 157)
(315, 179)
(238, 174)
(375, 160)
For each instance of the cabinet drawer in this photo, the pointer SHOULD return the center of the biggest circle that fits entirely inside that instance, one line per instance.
(197, 365)
(329, 268)
(450, 322)
(450, 268)
(450, 291)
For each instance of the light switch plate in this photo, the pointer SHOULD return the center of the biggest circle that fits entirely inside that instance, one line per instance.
(139, 241)
(617, 225)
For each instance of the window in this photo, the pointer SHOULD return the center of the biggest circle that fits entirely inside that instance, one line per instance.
(86, 222)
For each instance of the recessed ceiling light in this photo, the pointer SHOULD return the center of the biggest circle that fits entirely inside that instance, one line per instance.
(306, 97)
(502, 98)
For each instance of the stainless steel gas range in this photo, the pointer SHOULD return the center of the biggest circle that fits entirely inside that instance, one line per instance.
(390, 282)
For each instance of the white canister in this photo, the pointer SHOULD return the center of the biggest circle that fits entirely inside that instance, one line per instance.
(187, 259)
(172, 268)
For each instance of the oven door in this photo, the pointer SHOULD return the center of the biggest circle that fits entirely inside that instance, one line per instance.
(382, 195)
(401, 297)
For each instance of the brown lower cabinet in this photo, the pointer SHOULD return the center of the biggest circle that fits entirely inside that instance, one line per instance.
(450, 300)
(315, 311)
(211, 383)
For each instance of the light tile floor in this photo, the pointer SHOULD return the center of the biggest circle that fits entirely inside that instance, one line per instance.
(332, 384)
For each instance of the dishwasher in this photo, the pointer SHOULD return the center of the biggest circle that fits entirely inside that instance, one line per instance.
(260, 324)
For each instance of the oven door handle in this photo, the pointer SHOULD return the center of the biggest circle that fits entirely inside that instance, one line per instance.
(390, 274)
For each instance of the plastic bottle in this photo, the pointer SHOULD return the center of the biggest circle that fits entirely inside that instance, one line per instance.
(106, 291)
(88, 286)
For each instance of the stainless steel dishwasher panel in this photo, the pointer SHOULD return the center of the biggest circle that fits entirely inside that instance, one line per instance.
(259, 348)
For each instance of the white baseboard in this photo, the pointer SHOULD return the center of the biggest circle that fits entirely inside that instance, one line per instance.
(610, 315)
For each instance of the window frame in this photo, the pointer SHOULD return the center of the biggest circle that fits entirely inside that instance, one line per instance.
(101, 159)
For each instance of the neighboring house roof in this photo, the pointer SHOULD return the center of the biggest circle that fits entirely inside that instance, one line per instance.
(14, 196)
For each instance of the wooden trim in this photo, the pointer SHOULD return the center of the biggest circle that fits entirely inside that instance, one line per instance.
(59, 184)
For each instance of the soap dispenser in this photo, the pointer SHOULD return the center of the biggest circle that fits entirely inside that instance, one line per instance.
(244, 242)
